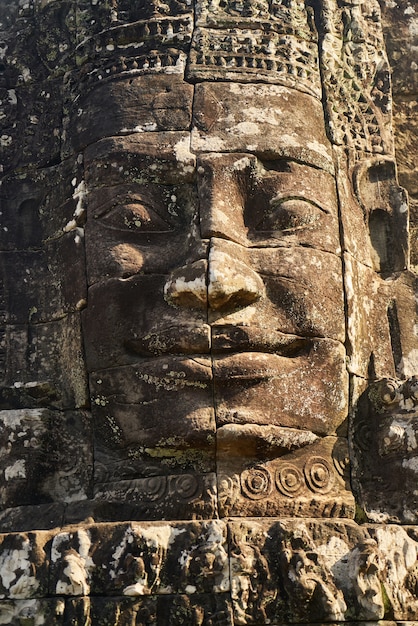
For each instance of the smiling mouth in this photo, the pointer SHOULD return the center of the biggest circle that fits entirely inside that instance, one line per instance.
(217, 341)
(243, 353)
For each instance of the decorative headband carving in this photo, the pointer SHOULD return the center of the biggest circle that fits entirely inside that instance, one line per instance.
(273, 42)
(327, 48)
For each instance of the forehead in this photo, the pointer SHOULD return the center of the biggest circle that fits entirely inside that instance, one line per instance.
(174, 120)
(269, 120)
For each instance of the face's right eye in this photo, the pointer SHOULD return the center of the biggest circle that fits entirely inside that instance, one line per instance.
(132, 215)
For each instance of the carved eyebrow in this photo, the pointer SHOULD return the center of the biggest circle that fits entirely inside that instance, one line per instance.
(280, 199)
(126, 197)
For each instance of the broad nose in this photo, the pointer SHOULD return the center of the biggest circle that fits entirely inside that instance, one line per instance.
(231, 281)
(223, 282)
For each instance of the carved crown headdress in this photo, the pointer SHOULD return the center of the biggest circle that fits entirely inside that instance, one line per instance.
(331, 49)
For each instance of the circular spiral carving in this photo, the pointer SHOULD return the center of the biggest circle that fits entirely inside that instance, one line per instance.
(256, 483)
(289, 480)
(154, 488)
(412, 389)
(389, 391)
(363, 436)
(318, 474)
(226, 485)
(341, 459)
(342, 465)
(187, 486)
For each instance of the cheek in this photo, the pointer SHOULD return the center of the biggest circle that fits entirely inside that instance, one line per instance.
(128, 258)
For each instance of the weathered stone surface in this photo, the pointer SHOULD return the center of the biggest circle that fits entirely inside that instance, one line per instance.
(381, 322)
(40, 205)
(24, 565)
(374, 221)
(36, 612)
(256, 42)
(116, 611)
(383, 436)
(46, 359)
(197, 292)
(253, 387)
(195, 610)
(154, 497)
(260, 124)
(45, 456)
(397, 562)
(170, 610)
(356, 78)
(136, 105)
(140, 559)
(291, 571)
(38, 289)
(181, 496)
(401, 42)
(33, 517)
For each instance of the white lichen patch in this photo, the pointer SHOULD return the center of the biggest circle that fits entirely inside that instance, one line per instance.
(16, 418)
(210, 143)
(242, 164)
(320, 148)
(335, 554)
(171, 382)
(17, 470)
(16, 572)
(100, 400)
(225, 281)
(181, 284)
(12, 97)
(25, 75)
(79, 195)
(182, 151)
(398, 555)
(157, 540)
(264, 115)
(246, 128)
(140, 128)
(216, 545)
(31, 612)
(290, 140)
(409, 363)
(76, 575)
(72, 551)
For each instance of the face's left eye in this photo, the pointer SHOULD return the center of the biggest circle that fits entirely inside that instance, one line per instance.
(288, 214)
(136, 217)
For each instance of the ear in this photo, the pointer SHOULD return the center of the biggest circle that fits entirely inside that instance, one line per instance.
(385, 206)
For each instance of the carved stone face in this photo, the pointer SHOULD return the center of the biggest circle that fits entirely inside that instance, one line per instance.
(215, 322)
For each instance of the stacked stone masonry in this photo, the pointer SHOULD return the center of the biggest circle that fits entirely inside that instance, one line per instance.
(208, 329)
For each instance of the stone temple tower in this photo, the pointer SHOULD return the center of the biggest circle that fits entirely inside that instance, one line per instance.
(208, 395)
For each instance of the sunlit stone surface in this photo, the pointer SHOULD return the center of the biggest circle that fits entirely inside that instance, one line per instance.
(208, 338)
